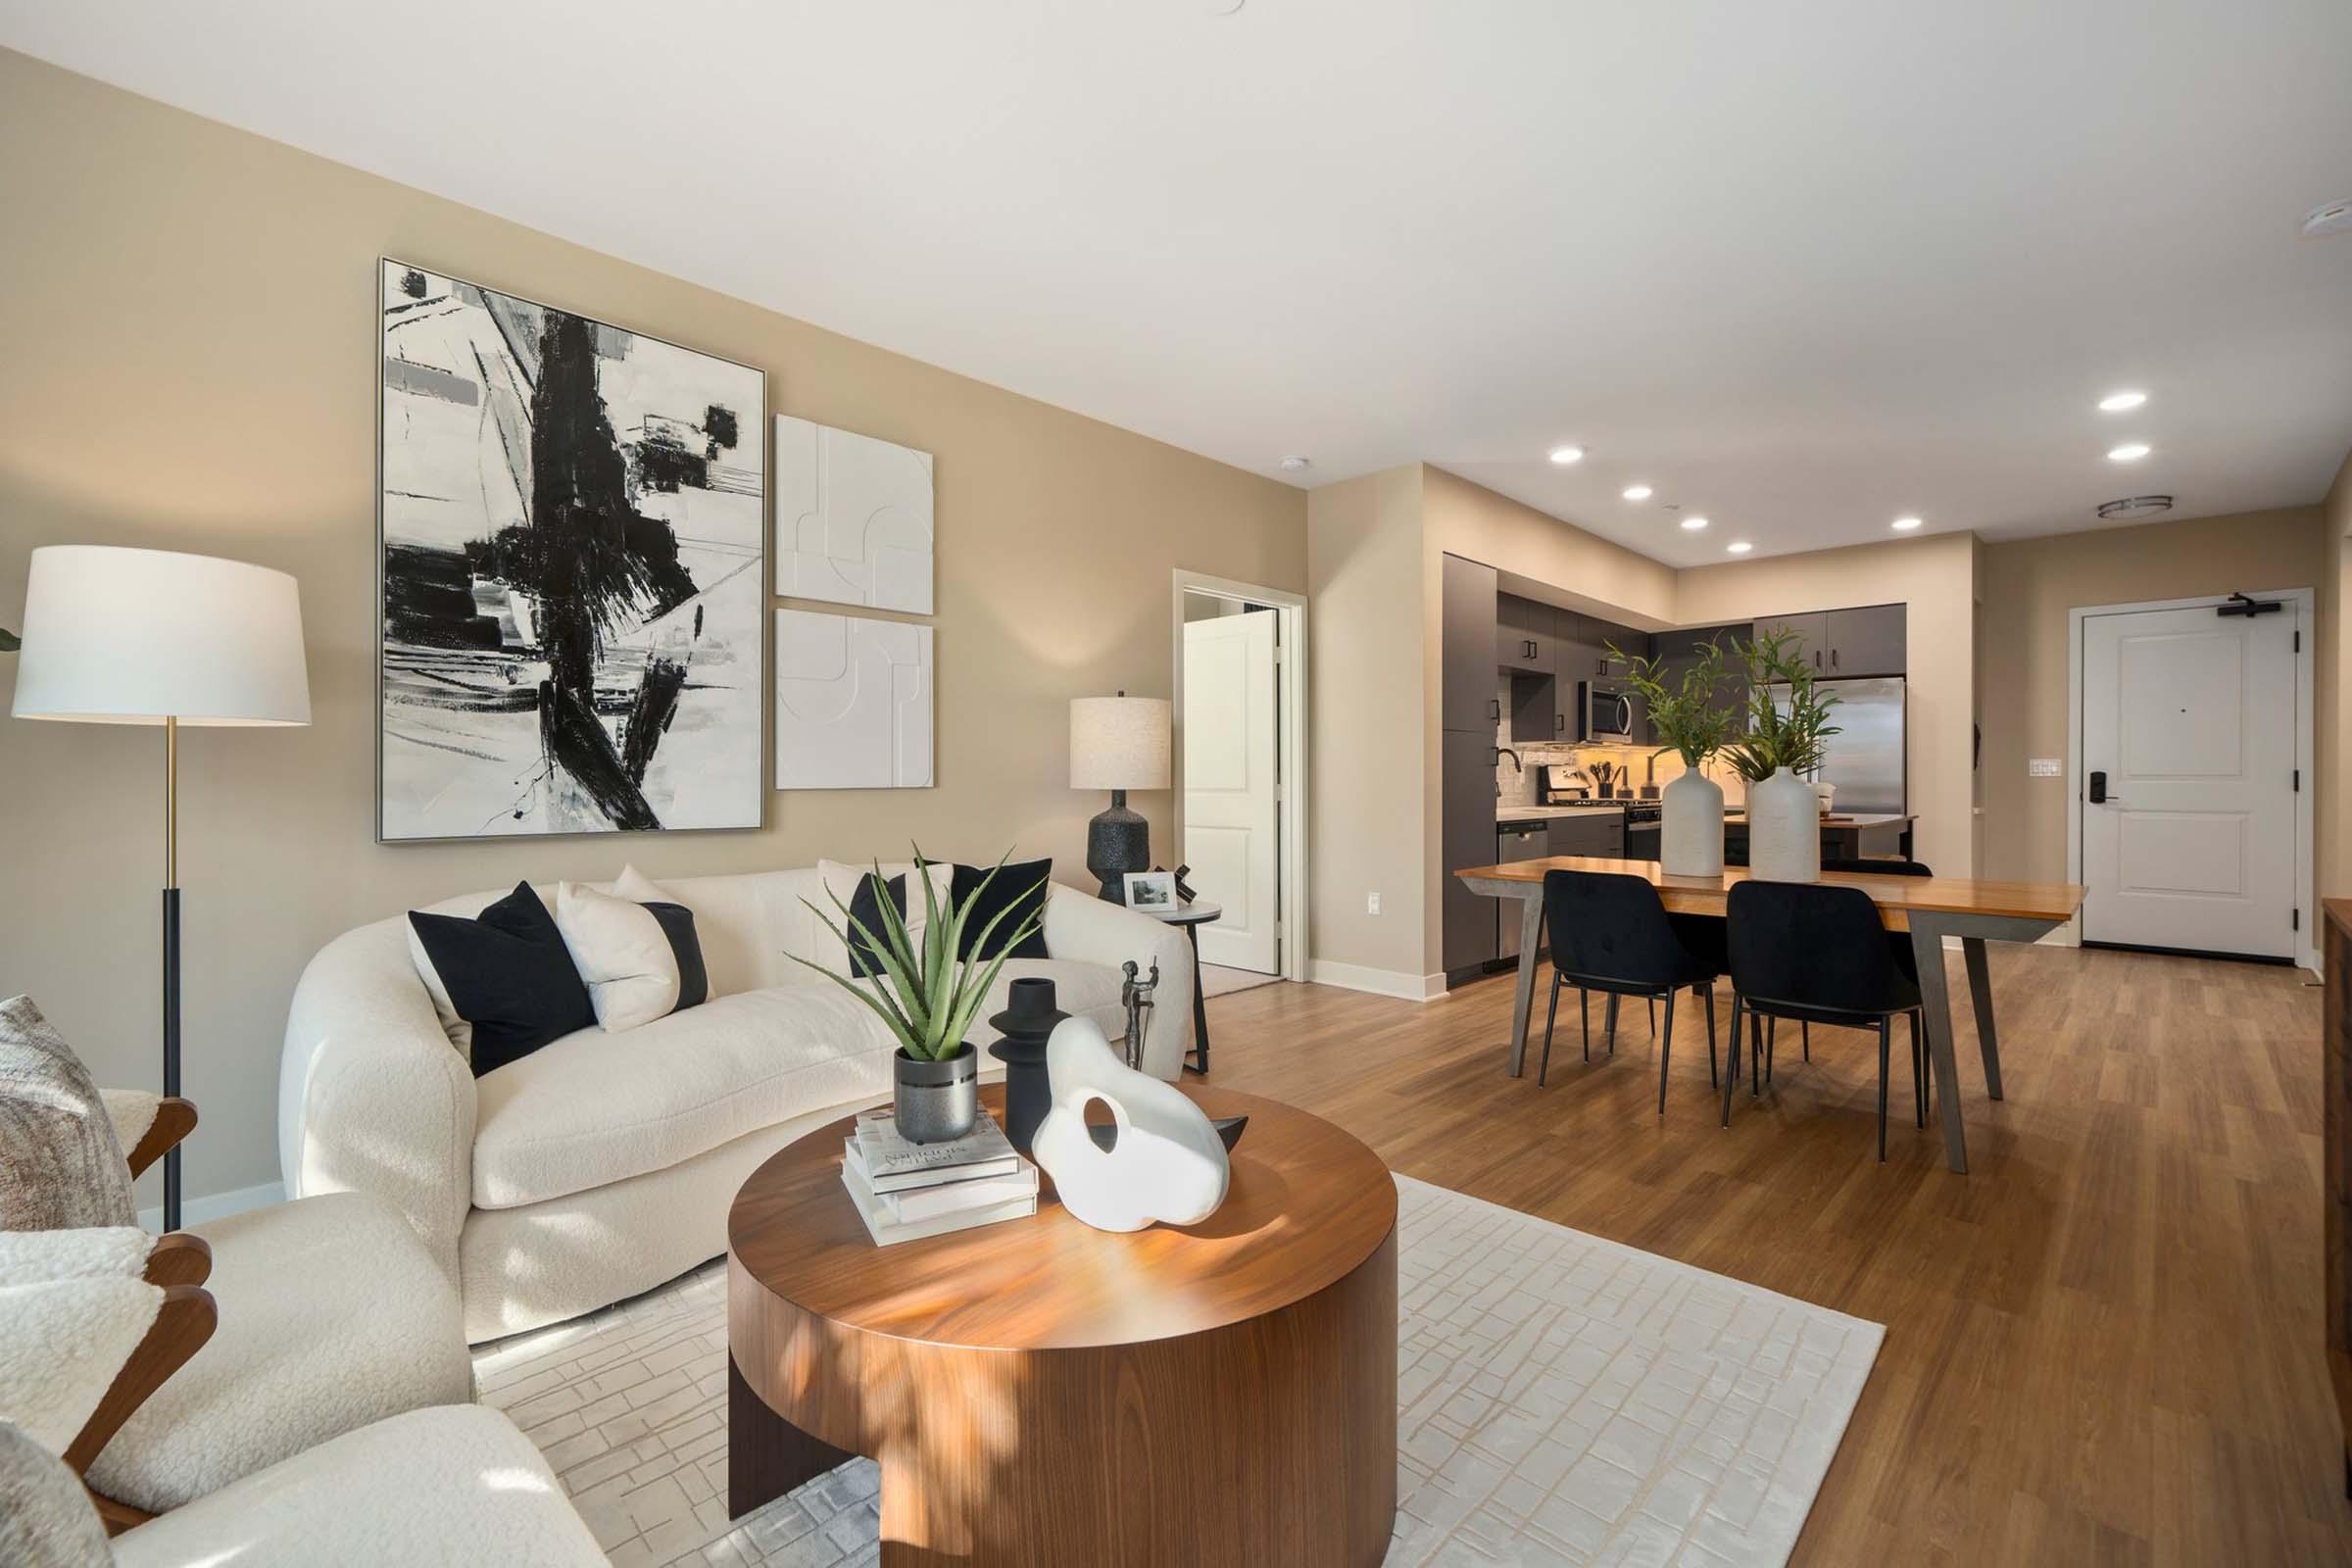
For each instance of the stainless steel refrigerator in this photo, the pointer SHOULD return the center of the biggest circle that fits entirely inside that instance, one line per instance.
(1866, 757)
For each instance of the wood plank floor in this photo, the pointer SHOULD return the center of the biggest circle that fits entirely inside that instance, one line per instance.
(2103, 1344)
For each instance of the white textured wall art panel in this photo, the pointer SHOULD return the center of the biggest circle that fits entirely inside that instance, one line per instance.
(853, 519)
(853, 702)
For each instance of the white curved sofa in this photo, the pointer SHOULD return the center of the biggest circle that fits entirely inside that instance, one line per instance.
(600, 1166)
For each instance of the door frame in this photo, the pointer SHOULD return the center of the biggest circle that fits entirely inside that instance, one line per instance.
(2307, 950)
(1289, 686)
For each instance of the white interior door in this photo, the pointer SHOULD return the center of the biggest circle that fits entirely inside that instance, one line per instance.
(1231, 837)
(2190, 716)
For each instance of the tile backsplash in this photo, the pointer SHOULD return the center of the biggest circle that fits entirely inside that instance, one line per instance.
(1521, 786)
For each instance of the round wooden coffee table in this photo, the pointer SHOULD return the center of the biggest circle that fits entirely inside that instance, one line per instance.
(1039, 1392)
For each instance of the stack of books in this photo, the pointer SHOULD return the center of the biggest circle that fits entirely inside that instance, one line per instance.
(905, 1190)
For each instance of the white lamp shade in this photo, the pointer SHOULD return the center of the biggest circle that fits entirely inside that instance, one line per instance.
(137, 636)
(1118, 743)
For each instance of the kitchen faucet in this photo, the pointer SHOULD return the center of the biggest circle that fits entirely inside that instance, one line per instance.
(1502, 752)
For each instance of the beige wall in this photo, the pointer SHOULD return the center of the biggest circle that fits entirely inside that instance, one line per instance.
(2030, 585)
(189, 364)
(1370, 799)
(1934, 579)
(2334, 685)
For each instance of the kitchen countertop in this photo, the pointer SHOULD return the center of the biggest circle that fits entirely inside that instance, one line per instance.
(1545, 814)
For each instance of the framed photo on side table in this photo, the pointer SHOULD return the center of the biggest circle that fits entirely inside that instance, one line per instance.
(1153, 892)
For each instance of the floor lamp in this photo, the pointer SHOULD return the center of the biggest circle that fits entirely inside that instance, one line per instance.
(115, 636)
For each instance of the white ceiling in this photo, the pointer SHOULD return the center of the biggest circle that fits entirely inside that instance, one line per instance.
(1803, 267)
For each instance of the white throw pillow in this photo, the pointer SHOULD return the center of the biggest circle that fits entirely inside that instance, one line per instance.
(638, 888)
(623, 957)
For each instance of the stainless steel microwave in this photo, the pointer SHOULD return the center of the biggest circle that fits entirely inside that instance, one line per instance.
(1604, 713)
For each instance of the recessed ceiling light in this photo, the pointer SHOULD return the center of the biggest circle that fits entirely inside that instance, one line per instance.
(1564, 456)
(1637, 492)
(1737, 547)
(2118, 402)
(1693, 524)
(2329, 218)
(2137, 507)
(1905, 524)
(1295, 465)
(2129, 452)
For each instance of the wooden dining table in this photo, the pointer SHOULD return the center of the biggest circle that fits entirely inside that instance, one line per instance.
(1928, 909)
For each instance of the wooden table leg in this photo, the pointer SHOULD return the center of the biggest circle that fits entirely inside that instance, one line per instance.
(1980, 997)
(1530, 937)
(1927, 947)
(1199, 1009)
(766, 1454)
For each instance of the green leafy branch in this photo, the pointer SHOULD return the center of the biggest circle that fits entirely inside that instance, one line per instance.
(1795, 740)
(1686, 718)
(926, 995)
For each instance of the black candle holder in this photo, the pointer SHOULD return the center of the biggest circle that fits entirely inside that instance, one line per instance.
(1026, 1022)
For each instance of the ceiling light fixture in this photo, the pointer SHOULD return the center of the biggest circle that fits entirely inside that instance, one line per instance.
(2329, 218)
(2118, 402)
(1295, 465)
(2129, 452)
(1737, 547)
(2135, 506)
(1637, 492)
(1693, 524)
(1564, 456)
(1905, 524)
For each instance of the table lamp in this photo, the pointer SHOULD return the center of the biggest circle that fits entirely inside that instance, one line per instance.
(117, 636)
(1118, 744)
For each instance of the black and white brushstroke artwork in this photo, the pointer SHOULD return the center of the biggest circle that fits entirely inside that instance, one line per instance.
(574, 571)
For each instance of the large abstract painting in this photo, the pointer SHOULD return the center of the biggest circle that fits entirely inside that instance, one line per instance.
(853, 702)
(573, 573)
(853, 519)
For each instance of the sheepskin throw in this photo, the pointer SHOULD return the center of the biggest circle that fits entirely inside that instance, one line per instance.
(46, 1520)
(61, 1165)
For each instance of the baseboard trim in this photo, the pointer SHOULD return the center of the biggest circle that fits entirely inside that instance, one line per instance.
(1379, 982)
(217, 1206)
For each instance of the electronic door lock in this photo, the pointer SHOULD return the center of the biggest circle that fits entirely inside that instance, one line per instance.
(2098, 791)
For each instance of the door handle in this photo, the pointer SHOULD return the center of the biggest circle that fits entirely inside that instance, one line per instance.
(2098, 791)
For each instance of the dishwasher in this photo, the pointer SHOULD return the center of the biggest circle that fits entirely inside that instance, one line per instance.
(1516, 840)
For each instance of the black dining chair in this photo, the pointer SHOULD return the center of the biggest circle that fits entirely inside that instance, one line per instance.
(1816, 952)
(1900, 943)
(1609, 933)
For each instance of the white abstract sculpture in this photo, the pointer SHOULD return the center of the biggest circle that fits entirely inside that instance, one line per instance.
(1167, 1163)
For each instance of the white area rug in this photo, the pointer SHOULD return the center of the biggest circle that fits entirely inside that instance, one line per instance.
(1564, 1400)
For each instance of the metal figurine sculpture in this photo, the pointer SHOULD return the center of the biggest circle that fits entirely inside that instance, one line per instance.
(1136, 997)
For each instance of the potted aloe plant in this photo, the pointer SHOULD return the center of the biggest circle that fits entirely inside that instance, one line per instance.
(1787, 736)
(1686, 718)
(927, 995)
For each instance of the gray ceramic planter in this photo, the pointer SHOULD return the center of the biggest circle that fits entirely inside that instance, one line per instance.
(935, 1101)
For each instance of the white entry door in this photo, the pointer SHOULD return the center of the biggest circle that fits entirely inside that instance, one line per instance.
(1231, 838)
(2190, 718)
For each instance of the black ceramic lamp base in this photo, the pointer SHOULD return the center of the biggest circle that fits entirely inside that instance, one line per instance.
(1117, 841)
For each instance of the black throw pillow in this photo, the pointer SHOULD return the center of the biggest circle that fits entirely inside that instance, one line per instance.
(694, 979)
(1018, 888)
(509, 974)
(865, 959)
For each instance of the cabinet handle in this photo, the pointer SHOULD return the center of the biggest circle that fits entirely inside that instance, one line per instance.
(1832, 659)
(1816, 659)
(1494, 707)
(1559, 723)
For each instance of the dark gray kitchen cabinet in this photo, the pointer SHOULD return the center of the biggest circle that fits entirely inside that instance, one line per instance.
(1466, 781)
(1469, 699)
(1590, 832)
(1869, 641)
(1524, 634)
(1808, 634)
(1536, 717)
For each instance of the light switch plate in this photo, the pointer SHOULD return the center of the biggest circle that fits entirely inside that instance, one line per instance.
(1371, 904)
(2044, 767)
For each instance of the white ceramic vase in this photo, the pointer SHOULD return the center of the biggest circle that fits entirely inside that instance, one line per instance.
(1167, 1163)
(1784, 829)
(1691, 826)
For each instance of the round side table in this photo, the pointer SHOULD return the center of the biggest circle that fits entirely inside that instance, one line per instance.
(1193, 917)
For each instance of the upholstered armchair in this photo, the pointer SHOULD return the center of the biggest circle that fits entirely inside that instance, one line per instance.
(265, 1334)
